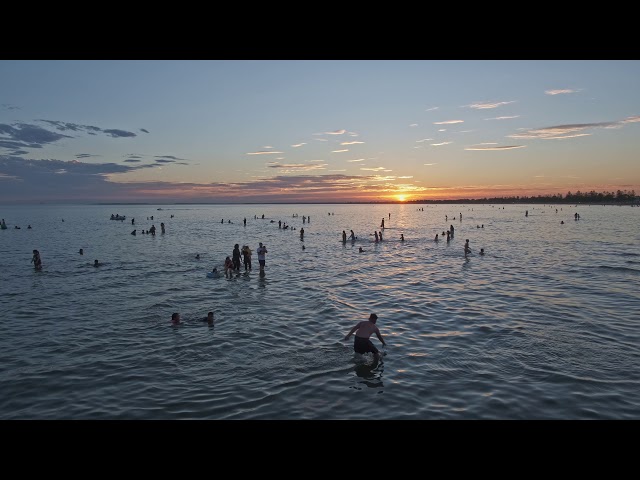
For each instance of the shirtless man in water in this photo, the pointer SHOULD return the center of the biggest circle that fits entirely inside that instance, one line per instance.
(363, 330)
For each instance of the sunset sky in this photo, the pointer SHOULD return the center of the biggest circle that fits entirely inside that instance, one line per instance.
(238, 131)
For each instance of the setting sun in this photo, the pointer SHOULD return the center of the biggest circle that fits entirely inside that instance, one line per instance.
(401, 198)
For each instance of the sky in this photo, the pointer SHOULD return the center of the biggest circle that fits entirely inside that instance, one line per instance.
(320, 131)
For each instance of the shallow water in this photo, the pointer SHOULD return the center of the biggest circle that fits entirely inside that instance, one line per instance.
(545, 325)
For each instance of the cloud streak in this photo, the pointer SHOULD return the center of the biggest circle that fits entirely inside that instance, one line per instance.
(487, 105)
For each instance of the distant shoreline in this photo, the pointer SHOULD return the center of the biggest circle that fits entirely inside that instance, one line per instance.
(411, 202)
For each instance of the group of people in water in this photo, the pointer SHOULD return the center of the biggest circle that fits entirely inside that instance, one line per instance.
(241, 257)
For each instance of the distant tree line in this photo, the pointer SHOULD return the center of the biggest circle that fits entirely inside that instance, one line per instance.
(618, 197)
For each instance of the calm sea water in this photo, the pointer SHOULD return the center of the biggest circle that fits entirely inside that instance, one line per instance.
(544, 326)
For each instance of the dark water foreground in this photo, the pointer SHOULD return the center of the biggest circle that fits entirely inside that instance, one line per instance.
(544, 326)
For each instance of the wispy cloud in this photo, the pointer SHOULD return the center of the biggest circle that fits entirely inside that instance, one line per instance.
(633, 119)
(503, 118)
(340, 151)
(169, 157)
(424, 140)
(263, 152)
(336, 132)
(356, 160)
(297, 166)
(570, 130)
(486, 105)
(430, 164)
(85, 155)
(448, 122)
(144, 130)
(355, 142)
(494, 148)
(440, 144)
(298, 145)
(560, 92)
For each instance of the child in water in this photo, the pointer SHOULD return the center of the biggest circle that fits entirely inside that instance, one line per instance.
(228, 266)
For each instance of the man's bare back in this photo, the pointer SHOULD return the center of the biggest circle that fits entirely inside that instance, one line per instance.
(366, 328)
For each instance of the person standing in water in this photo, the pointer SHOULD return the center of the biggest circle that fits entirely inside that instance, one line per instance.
(246, 256)
(467, 249)
(36, 260)
(363, 330)
(236, 257)
(261, 251)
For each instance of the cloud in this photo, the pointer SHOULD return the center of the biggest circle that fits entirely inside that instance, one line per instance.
(413, 125)
(430, 164)
(298, 145)
(33, 180)
(375, 169)
(431, 109)
(424, 140)
(340, 151)
(448, 122)
(115, 133)
(356, 160)
(8, 106)
(487, 148)
(567, 131)
(483, 106)
(24, 135)
(633, 119)
(85, 155)
(262, 152)
(355, 142)
(28, 135)
(503, 118)
(63, 126)
(336, 132)
(559, 92)
(143, 130)
(168, 157)
(440, 144)
(297, 166)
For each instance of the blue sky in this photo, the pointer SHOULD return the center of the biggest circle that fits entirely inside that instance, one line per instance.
(234, 131)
